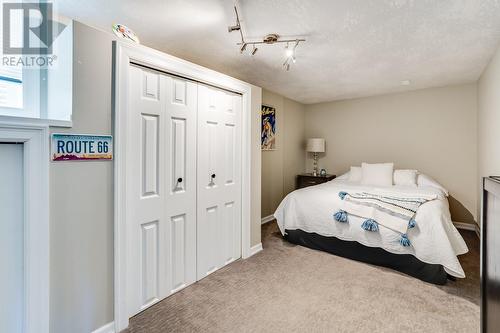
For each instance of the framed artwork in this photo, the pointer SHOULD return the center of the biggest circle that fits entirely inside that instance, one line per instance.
(268, 128)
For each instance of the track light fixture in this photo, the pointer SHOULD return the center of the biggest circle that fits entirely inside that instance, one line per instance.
(268, 39)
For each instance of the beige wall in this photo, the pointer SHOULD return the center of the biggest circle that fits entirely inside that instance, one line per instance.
(432, 130)
(81, 197)
(293, 143)
(489, 119)
(81, 200)
(280, 166)
(272, 160)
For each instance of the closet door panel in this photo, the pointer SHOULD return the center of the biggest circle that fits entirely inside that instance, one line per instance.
(146, 193)
(208, 252)
(228, 232)
(178, 155)
(179, 265)
(219, 178)
(232, 174)
(181, 108)
(161, 186)
(208, 202)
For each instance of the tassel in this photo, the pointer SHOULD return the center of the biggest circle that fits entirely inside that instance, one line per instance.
(342, 195)
(404, 240)
(370, 225)
(412, 223)
(340, 216)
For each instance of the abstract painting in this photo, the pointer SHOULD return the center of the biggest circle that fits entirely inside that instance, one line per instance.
(268, 130)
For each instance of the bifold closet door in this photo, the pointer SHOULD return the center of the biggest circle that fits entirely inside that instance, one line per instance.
(219, 179)
(161, 186)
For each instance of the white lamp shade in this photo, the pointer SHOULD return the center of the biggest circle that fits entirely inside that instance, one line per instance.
(315, 145)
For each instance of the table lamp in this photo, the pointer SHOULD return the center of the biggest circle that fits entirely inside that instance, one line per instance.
(315, 146)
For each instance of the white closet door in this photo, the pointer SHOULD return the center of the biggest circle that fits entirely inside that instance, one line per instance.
(219, 179)
(161, 208)
(182, 104)
(146, 191)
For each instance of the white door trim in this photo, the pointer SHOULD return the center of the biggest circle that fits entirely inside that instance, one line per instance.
(124, 54)
(35, 139)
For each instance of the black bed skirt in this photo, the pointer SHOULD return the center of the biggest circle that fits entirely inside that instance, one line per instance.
(405, 263)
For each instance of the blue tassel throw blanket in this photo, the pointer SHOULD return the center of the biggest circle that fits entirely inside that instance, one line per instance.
(394, 211)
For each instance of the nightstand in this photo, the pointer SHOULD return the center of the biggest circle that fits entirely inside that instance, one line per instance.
(307, 179)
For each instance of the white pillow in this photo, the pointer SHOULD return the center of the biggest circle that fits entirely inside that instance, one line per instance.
(379, 174)
(355, 174)
(344, 176)
(405, 177)
(426, 181)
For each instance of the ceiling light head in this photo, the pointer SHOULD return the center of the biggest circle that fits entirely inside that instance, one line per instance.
(254, 50)
(237, 26)
(233, 28)
(243, 47)
(286, 64)
(288, 52)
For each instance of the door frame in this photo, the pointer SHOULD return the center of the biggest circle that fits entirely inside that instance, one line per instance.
(35, 139)
(123, 54)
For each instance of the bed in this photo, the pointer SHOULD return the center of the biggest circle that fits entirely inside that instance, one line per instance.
(305, 217)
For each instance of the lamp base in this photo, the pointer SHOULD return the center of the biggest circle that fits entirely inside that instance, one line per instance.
(315, 168)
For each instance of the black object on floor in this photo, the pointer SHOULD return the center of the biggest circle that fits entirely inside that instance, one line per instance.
(404, 263)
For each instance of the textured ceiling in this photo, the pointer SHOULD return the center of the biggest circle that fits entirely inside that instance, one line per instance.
(354, 48)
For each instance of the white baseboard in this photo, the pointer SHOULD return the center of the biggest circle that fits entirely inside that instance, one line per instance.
(468, 226)
(108, 328)
(255, 249)
(266, 219)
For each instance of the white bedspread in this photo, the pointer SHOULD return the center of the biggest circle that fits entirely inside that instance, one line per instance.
(435, 240)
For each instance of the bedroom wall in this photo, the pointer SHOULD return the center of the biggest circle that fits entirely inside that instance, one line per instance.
(81, 197)
(432, 130)
(280, 166)
(293, 139)
(272, 160)
(488, 120)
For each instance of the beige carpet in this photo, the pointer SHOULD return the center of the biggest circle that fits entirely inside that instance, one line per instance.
(288, 288)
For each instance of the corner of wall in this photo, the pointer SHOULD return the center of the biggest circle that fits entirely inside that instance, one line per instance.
(488, 118)
(255, 237)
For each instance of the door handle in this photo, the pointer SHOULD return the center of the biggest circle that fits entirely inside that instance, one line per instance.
(212, 178)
